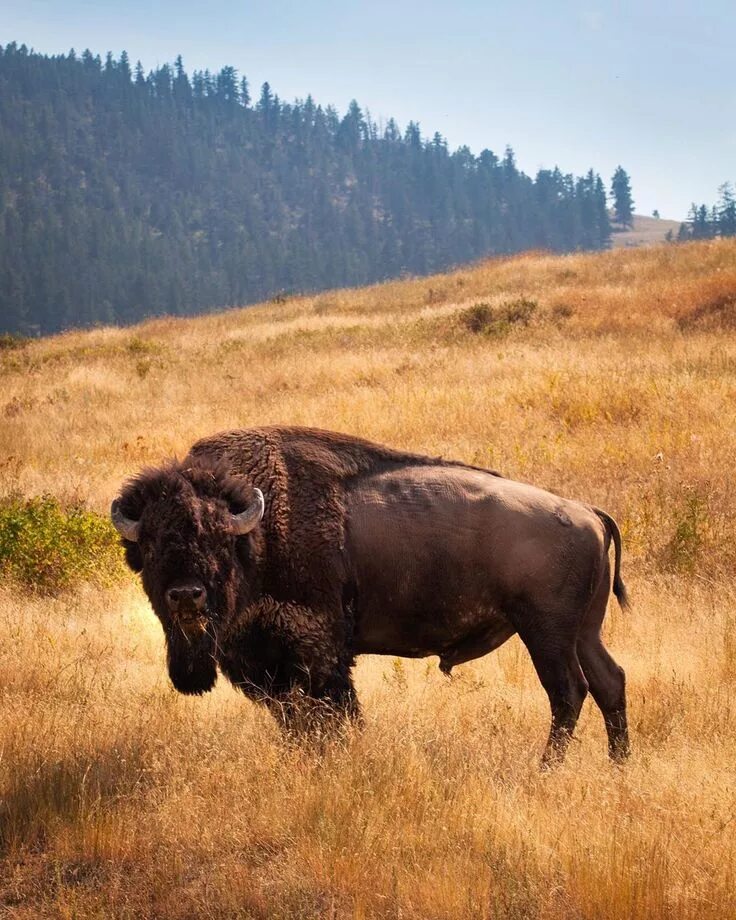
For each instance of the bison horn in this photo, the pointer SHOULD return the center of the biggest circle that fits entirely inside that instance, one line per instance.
(127, 528)
(245, 521)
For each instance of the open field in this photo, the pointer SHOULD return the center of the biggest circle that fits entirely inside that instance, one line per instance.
(610, 378)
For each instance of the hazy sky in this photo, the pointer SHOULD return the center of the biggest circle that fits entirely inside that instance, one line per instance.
(650, 85)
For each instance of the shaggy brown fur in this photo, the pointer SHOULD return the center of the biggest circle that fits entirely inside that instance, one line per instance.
(298, 634)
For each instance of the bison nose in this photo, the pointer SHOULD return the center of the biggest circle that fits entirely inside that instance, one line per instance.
(186, 598)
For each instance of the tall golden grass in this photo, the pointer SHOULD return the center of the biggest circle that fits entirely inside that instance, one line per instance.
(120, 798)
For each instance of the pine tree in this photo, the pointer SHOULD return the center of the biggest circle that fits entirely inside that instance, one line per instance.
(244, 92)
(227, 86)
(623, 204)
(265, 103)
(727, 210)
(603, 224)
(413, 136)
(392, 133)
(352, 128)
(700, 224)
(124, 67)
(182, 89)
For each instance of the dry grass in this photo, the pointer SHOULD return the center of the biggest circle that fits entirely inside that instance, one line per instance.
(645, 231)
(120, 798)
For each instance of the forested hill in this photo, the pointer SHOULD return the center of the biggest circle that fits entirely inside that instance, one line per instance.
(124, 195)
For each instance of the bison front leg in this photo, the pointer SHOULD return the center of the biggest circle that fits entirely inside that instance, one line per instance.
(313, 713)
(331, 703)
(300, 660)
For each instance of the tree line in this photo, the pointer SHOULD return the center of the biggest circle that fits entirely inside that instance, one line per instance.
(126, 194)
(705, 223)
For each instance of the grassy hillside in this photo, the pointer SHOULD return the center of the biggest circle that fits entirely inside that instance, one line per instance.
(610, 378)
(645, 231)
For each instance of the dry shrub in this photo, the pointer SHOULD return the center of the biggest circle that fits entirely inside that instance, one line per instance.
(561, 312)
(485, 319)
(716, 313)
(684, 550)
(11, 342)
(138, 346)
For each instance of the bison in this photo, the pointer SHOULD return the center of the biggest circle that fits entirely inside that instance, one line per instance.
(277, 555)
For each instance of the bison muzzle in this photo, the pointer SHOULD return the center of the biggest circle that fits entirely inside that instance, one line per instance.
(277, 555)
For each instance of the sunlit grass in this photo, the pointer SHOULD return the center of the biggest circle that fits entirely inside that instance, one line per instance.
(120, 798)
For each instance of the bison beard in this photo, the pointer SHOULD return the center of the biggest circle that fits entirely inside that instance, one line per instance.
(359, 549)
(191, 663)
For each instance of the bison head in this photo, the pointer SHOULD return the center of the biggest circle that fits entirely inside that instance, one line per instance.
(192, 534)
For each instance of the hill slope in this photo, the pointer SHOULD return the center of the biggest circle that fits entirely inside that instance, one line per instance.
(607, 377)
(645, 231)
(124, 195)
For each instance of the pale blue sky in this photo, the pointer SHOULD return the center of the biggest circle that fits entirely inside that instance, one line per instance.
(650, 85)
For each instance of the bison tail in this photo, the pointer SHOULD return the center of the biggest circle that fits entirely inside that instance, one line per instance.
(619, 588)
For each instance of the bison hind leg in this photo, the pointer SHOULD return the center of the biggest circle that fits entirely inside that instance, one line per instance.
(605, 677)
(608, 688)
(562, 677)
(550, 639)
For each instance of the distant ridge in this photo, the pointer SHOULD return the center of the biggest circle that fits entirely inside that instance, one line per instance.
(125, 195)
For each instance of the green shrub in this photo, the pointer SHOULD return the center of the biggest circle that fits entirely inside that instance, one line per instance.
(48, 548)
(138, 346)
(484, 319)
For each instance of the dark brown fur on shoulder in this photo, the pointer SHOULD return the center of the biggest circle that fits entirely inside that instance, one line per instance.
(341, 455)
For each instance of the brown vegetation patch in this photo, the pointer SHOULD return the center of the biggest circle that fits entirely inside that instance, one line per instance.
(10, 342)
(716, 313)
(483, 318)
